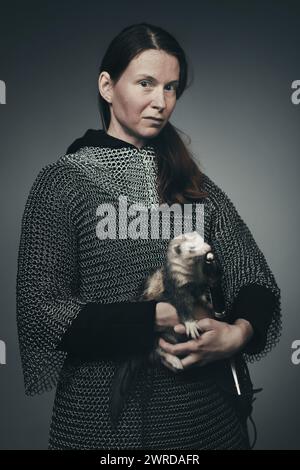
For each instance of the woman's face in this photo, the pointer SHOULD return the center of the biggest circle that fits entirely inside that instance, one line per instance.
(146, 89)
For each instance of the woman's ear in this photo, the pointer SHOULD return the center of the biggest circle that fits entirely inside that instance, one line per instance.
(105, 86)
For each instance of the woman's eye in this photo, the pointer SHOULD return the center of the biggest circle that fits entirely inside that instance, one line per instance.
(144, 84)
(144, 81)
(173, 87)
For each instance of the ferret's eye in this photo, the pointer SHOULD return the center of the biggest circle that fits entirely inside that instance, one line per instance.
(177, 249)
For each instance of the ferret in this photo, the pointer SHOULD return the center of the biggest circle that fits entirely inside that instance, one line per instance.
(183, 281)
(189, 271)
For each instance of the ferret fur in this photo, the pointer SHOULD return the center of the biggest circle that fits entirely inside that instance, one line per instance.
(189, 271)
(183, 281)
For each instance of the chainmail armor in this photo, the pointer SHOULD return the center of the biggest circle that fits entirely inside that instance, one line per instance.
(63, 265)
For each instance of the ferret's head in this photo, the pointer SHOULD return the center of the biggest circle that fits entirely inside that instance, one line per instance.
(188, 245)
(189, 254)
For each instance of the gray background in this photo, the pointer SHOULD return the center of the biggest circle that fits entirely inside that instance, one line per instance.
(244, 130)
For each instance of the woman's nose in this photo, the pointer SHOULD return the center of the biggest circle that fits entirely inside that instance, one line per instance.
(159, 100)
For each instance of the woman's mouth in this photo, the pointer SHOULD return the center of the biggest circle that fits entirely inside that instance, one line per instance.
(156, 120)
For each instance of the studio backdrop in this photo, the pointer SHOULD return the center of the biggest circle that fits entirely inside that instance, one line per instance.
(242, 114)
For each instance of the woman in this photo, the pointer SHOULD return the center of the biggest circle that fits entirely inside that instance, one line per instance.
(77, 291)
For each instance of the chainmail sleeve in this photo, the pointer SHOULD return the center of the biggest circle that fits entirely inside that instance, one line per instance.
(46, 278)
(242, 262)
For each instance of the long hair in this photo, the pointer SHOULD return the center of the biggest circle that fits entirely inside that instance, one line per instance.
(179, 178)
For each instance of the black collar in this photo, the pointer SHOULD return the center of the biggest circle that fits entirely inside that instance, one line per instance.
(99, 138)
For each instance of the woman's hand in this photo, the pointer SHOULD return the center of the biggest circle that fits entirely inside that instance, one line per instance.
(165, 316)
(218, 340)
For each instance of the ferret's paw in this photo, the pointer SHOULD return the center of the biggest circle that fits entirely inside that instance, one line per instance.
(192, 329)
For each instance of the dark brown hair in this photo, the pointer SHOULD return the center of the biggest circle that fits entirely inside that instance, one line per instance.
(179, 175)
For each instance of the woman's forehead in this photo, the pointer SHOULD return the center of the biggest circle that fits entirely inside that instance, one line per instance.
(155, 64)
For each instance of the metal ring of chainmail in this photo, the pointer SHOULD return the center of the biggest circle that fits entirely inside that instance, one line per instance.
(62, 265)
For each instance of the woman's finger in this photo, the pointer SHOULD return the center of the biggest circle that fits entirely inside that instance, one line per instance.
(207, 324)
(180, 348)
(191, 360)
(180, 328)
(168, 365)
